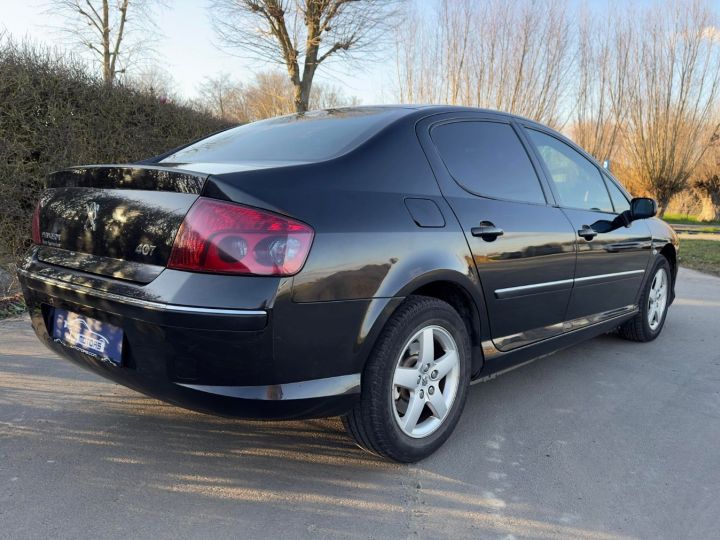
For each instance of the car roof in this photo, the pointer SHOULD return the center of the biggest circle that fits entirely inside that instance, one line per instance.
(419, 111)
(432, 109)
(392, 115)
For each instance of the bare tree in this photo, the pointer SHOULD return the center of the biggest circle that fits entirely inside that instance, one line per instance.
(673, 96)
(303, 34)
(416, 66)
(602, 80)
(269, 94)
(222, 96)
(327, 96)
(154, 80)
(114, 31)
(513, 56)
(706, 182)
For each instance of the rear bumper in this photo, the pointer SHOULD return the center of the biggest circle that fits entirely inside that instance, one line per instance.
(214, 360)
(150, 310)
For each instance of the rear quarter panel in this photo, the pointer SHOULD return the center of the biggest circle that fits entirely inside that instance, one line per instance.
(366, 243)
(368, 253)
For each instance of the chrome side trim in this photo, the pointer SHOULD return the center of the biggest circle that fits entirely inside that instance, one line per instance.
(146, 304)
(498, 346)
(315, 388)
(628, 246)
(511, 292)
(514, 341)
(605, 276)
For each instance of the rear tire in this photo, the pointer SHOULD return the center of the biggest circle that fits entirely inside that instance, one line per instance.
(654, 302)
(415, 382)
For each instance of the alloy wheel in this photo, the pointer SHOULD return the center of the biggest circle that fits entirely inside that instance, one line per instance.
(657, 299)
(425, 381)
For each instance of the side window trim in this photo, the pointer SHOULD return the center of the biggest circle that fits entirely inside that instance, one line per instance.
(551, 194)
(539, 174)
(611, 181)
(536, 156)
(546, 172)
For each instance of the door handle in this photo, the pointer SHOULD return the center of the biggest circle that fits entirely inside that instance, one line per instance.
(587, 233)
(487, 231)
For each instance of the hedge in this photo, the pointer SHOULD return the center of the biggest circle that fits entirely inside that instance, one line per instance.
(55, 114)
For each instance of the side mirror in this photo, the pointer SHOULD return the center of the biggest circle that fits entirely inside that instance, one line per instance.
(642, 208)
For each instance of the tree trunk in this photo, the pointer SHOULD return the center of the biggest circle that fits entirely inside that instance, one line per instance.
(303, 89)
(107, 72)
(710, 206)
(300, 104)
(663, 195)
(662, 203)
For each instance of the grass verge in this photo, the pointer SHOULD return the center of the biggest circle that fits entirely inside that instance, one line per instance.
(685, 219)
(702, 255)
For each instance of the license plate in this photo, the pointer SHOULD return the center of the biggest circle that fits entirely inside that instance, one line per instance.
(95, 338)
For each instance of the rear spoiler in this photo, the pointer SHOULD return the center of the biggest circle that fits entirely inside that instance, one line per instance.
(130, 176)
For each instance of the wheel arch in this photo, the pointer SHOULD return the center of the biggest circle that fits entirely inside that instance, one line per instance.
(462, 301)
(670, 253)
(665, 242)
(450, 286)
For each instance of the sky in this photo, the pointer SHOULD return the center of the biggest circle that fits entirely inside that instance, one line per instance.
(186, 47)
(187, 51)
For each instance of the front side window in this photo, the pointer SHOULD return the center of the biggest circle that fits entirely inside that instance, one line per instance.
(577, 180)
(619, 200)
(488, 159)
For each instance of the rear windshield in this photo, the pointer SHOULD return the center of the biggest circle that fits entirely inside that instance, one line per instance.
(311, 136)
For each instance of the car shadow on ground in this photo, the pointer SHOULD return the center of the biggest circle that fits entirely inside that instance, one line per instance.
(304, 471)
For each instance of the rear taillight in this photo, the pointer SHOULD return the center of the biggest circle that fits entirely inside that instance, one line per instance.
(227, 238)
(37, 239)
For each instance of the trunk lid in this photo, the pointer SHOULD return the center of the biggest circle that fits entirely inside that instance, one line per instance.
(119, 221)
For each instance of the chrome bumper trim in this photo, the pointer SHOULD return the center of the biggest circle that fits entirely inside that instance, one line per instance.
(146, 304)
(315, 388)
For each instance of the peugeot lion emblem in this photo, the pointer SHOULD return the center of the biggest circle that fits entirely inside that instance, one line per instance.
(92, 211)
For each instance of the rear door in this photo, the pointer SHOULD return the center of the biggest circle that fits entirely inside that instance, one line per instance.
(522, 246)
(610, 265)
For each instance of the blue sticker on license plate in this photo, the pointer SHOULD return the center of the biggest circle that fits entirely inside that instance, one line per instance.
(95, 338)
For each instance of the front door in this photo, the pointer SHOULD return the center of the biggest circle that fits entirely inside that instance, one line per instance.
(610, 265)
(523, 247)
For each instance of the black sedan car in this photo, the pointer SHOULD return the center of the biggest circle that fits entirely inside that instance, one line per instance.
(366, 262)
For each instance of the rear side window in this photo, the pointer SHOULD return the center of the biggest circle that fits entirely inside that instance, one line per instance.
(310, 136)
(619, 200)
(487, 159)
(577, 180)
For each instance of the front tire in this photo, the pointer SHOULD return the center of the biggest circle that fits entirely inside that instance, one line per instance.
(414, 384)
(654, 303)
